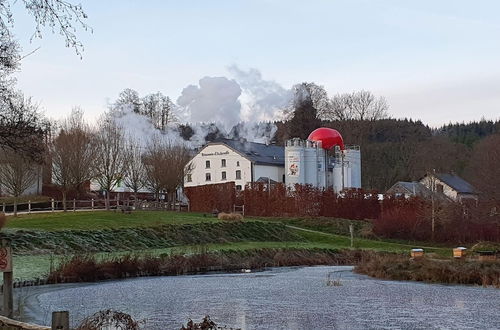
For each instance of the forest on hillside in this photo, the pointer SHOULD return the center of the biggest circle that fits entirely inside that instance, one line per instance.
(404, 150)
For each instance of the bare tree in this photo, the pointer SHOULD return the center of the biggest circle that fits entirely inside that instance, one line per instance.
(484, 170)
(17, 174)
(110, 161)
(59, 15)
(177, 158)
(129, 98)
(361, 105)
(73, 154)
(135, 172)
(154, 164)
(22, 126)
(166, 168)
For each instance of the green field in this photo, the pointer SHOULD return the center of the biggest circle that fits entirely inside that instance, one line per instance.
(300, 233)
(97, 220)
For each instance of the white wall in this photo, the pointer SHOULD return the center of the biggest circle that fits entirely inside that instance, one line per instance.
(273, 172)
(429, 181)
(215, 153)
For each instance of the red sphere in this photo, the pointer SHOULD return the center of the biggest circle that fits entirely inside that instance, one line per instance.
(329, 138)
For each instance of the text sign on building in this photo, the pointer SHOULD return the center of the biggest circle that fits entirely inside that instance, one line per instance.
(293, 163)
(5, 259)
(216, 153)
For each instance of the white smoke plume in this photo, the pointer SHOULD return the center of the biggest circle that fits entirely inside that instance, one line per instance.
(214, 100)
(262, 100)
(240, 107)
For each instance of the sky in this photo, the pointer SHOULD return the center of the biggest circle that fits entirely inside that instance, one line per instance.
(436, 61)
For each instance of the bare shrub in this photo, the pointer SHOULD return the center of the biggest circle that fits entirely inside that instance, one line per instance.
(400, 268)
(230, 216)
(205, 324)
(109, 319)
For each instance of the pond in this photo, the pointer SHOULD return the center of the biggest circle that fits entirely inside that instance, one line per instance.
(280, 298)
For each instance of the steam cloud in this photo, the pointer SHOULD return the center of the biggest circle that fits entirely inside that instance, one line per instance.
(242, 107)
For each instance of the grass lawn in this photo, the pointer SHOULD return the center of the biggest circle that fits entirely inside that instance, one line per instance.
(97, 220)
(31, 266)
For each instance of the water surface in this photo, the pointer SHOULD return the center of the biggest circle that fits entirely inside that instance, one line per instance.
(281, 298)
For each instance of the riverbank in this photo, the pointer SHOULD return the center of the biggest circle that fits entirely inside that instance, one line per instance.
(41, 242)
(445, 271)
(89, 269)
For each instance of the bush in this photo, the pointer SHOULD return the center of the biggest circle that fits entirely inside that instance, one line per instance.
(230, 216)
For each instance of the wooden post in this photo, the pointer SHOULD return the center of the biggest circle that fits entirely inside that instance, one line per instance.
(92, 204)
(74, 205)
(52, 204)
(29, 207)
(243, 209)
(6, 258)
(3, 207)
(60, 320)
(351, 230)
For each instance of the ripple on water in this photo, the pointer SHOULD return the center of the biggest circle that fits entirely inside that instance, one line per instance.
(286, 298)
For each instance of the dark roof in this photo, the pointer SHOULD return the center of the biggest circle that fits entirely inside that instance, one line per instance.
(265, 179)
(457, 183)
(412, 188)
(415, 189)
(258, 153)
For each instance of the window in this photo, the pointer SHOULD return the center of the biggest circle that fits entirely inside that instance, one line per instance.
(238, 175)
(238, 163)
(223, 163)
(207, 164)
(283, 178)
(223, 175)
(208, 177)
(238, 187)
(439, 188)
(189, 178)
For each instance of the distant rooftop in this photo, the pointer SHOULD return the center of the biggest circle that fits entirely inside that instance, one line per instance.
(457, 183)
(259, 153)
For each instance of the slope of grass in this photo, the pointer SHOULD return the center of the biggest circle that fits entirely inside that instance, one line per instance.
(140, 238)
(97, 220)
(108, 234)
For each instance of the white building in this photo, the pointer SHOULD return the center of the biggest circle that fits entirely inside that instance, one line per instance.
(238, 161)
(301, 162)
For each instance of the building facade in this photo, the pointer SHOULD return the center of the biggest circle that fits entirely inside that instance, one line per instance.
(235, 161)
(300, 162)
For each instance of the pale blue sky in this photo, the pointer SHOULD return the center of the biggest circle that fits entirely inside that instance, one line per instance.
(433, 60)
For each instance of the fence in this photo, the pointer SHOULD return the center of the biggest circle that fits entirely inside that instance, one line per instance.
(91, 205)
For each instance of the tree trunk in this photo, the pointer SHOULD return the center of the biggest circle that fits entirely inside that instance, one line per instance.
(107, 200)
(64, 193)
(15, 206)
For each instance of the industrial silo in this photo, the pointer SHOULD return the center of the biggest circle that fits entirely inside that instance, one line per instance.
(294, 160)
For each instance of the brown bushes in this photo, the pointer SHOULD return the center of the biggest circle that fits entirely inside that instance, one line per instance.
(303, 200)
(230, 216)
(401, 268)
(411, 219)
(401, 218)
(89, 269)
